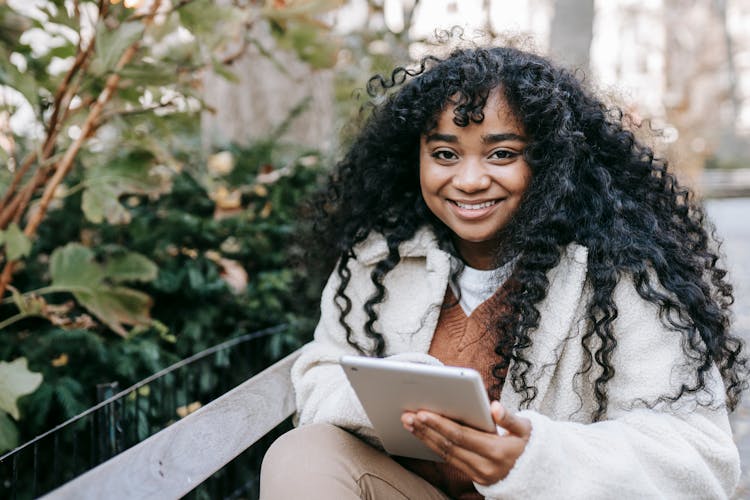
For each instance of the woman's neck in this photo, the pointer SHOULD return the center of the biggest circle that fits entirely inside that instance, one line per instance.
(479, 255)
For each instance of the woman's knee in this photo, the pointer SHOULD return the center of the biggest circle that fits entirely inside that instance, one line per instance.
(303, 458)
(309, 448)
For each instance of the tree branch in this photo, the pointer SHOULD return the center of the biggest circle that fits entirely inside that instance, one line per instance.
(150, 15)
(17, 177)
(11, 202)
(130, 112)
(66, 163)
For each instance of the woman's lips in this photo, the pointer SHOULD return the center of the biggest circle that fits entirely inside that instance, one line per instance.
(473, 209)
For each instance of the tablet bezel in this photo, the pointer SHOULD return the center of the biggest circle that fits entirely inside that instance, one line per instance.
(387, 388)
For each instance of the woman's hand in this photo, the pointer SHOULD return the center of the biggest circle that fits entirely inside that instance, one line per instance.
(484, 456)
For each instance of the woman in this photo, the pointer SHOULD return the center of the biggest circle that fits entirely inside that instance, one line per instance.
(493, 213)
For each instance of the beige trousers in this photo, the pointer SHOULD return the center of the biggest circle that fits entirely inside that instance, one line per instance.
(321, 461)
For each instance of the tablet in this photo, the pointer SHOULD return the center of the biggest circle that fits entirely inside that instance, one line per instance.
(388, 388)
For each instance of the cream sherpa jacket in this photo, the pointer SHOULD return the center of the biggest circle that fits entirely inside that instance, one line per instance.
(676, 452)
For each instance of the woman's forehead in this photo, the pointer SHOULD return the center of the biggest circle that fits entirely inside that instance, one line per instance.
(496, 107)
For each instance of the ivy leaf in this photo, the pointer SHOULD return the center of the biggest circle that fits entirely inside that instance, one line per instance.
(8, 433)
(117, 305)
(16, 380)
(107, 181)
(100, 203)
(110, 44)
(17, 244)
(131, 267)
(73, 268)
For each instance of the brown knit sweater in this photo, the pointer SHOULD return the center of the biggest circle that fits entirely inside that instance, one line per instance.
(460, 341)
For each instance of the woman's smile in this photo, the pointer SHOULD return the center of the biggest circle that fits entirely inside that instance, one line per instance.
(473, 209)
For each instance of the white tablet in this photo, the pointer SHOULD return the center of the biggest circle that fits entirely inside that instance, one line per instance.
(388, 388)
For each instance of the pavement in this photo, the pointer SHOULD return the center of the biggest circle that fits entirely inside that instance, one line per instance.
(732, 220)
(725, 183)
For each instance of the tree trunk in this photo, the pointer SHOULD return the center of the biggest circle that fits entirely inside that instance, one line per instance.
(571, 32)
(265, 95)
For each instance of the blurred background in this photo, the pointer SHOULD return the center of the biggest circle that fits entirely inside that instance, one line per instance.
(155, 153)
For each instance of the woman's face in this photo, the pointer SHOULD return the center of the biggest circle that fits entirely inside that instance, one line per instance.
(473, 178)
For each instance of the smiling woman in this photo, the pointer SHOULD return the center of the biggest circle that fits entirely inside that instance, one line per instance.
(473, 177)
(493, 213)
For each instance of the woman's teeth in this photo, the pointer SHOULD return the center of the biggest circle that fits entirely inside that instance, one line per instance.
(477, 206)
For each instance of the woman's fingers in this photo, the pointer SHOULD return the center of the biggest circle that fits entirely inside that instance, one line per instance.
(477, 467)
(485, 457)
(515, 425)
(459, 435)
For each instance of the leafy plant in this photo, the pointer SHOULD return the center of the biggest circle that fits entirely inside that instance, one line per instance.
(111, 219)
(15, 381)
(213, 274)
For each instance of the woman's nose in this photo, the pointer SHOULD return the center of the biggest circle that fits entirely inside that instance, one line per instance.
(471, 177)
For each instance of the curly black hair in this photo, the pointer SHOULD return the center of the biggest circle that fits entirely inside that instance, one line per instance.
(593, 183)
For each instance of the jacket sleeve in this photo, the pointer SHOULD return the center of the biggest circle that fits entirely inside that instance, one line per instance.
(678, 450)
(322, 391)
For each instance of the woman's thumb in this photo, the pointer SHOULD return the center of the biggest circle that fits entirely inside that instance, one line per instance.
(515, 425)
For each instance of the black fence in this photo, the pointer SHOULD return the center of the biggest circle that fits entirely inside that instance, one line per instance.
(123, 418)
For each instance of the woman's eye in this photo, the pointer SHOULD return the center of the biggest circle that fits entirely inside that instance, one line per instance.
(503, 154)
(444, 155)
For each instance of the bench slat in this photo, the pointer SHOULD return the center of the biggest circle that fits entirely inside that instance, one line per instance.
(177, 459)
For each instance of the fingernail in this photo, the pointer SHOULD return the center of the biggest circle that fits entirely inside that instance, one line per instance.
(409, 420)
(422, 417)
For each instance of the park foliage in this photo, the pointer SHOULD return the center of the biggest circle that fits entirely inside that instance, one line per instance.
(127, 243)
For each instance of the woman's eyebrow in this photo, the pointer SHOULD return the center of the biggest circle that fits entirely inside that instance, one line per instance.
(486, 139)
(441, 138)
(510, 136)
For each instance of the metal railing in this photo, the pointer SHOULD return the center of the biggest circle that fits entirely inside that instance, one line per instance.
(125, 418)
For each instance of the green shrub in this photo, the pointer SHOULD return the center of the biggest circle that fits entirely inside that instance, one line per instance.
(195, 244)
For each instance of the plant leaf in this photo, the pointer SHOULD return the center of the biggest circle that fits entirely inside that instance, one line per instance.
(29, 305)
(100, 203)
(8, 433)
(16, 380)
(17, 244)
(73, 266)
(107, 181)
(117, 305)
(22, 82)
(130, 267)
(143, 73)
(110, 44)
(60, 16)
(201, 18)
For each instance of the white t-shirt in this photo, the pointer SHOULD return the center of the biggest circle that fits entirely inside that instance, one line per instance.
(478, 285)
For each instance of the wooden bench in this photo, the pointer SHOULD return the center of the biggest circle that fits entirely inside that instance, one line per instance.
(177, 459)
